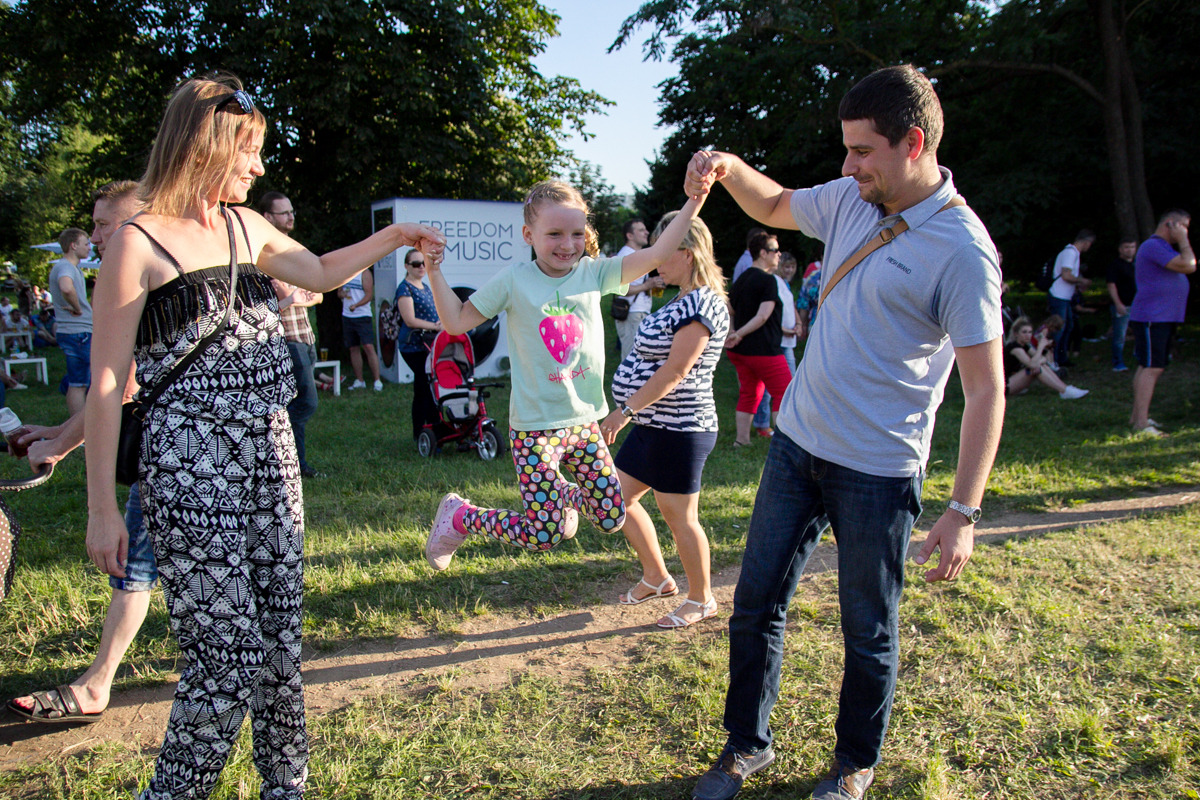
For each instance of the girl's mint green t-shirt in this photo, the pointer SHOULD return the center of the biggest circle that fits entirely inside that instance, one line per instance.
(555, 340)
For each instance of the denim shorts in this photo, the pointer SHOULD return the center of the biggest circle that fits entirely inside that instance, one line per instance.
(77, 347)
(141, 571)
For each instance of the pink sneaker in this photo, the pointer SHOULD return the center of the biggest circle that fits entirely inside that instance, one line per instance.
(443, 539)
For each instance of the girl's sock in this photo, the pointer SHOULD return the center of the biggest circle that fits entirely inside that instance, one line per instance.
(457, 520)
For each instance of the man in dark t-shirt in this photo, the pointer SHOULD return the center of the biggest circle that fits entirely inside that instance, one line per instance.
(1122, 285)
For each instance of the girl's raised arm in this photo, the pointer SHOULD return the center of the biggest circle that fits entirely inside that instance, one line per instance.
(456, 316)
(635, 265)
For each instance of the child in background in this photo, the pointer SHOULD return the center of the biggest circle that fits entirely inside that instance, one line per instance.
(556, 338)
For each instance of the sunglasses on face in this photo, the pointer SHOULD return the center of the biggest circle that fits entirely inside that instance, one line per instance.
(414, 263)
(770, 249)
(237, 103)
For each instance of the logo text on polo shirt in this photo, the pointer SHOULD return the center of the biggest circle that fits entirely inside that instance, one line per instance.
(898, 265)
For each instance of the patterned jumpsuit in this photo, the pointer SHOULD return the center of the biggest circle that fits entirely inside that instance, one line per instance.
(220, 484)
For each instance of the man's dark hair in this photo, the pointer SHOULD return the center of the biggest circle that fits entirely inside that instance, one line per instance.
(750, 234)
(1174, 215)
(1128, 240)
(896, 100)
(1085, 235)
(628, 227)
(268, 200)
(758, 243)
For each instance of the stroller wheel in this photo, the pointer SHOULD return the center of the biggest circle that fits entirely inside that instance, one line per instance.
(490, 444)
(426, 443)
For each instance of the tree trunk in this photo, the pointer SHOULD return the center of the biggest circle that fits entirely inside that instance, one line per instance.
(1114, 117)
(1132, 108)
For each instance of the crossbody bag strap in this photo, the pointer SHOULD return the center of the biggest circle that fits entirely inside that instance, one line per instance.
(147, 399)
(885, 236)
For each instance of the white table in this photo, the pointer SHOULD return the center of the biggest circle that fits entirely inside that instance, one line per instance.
(21, 336)
(39, 364)
(336, 366)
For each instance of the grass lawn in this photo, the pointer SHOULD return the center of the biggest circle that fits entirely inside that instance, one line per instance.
(1059, 665)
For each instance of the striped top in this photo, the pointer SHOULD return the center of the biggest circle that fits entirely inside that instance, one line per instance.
(690, 405)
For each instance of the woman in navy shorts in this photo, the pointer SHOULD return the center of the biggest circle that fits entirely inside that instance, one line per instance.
(664, 386)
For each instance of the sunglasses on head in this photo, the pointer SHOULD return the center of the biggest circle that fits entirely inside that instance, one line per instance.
(237, 103)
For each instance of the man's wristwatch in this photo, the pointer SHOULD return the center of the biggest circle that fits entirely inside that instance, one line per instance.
(972, 513)
(626, 411)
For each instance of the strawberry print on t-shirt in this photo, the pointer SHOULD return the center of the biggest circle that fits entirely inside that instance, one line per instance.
(562, 331)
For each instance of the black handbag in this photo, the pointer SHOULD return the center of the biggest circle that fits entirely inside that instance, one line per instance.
(620, 307)
(421, 337)
(133, 413)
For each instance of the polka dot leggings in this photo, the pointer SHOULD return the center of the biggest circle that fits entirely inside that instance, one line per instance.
(538, 456)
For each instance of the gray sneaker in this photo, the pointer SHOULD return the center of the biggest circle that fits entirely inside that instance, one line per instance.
(725, 779)
(844, 782)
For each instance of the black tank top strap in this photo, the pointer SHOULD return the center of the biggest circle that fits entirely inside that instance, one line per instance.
(245, 233)
(156, 244)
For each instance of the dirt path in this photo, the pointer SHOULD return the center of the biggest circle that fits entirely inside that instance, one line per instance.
(488, 650)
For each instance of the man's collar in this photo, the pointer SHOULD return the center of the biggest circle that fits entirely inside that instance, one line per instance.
(917, 215)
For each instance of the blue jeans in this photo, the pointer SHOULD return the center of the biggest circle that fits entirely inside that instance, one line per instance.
(304, 405)
(141, 570)
(1120, 323)
(872, 519)
(1064, 310)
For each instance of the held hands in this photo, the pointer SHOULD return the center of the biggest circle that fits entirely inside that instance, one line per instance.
(954, 537)
(420, 236)
(433, 251)
(611, 425)
(705, 169)
(108, 543)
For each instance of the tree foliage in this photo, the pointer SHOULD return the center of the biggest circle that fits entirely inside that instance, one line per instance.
(1025, 85)
(365, 100)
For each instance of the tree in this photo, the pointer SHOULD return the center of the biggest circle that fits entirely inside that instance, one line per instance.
(365, 100)
(762, 78)
(1060, 114)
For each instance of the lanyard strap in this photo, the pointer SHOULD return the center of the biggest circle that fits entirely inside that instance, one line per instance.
(885, 236)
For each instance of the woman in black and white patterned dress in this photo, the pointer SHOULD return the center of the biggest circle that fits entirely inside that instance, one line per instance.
(219, 475)
(664, 386)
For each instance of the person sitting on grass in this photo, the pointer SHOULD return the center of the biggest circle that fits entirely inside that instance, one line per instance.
(1025, 362)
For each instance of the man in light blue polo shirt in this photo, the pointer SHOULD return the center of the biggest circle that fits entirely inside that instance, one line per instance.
(852, 437)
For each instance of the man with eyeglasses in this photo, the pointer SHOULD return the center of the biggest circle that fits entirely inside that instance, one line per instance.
(294, 303)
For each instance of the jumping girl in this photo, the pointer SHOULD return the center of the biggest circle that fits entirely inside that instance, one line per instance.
(555, 336)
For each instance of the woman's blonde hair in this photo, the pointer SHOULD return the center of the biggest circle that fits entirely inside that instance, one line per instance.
(196, 145)
(1015, 328)
(699, 242)
(561, 193)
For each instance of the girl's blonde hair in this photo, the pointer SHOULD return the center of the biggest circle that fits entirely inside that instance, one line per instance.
(699, 242)
(561, 193)
(195, 149)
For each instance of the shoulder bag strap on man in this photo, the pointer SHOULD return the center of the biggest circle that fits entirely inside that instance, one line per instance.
(146, 399)
(886, 235)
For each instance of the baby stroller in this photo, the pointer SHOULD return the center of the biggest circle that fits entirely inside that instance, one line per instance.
(460, 400)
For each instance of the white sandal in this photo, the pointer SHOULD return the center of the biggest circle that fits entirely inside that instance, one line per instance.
(628, 599)
(673, 620)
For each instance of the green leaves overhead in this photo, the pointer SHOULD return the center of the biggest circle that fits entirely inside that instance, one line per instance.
(365, 100)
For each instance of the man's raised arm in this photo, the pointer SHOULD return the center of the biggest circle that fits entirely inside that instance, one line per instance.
(760, 197)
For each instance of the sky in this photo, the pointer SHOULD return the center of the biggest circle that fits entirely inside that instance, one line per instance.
(629, 134)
